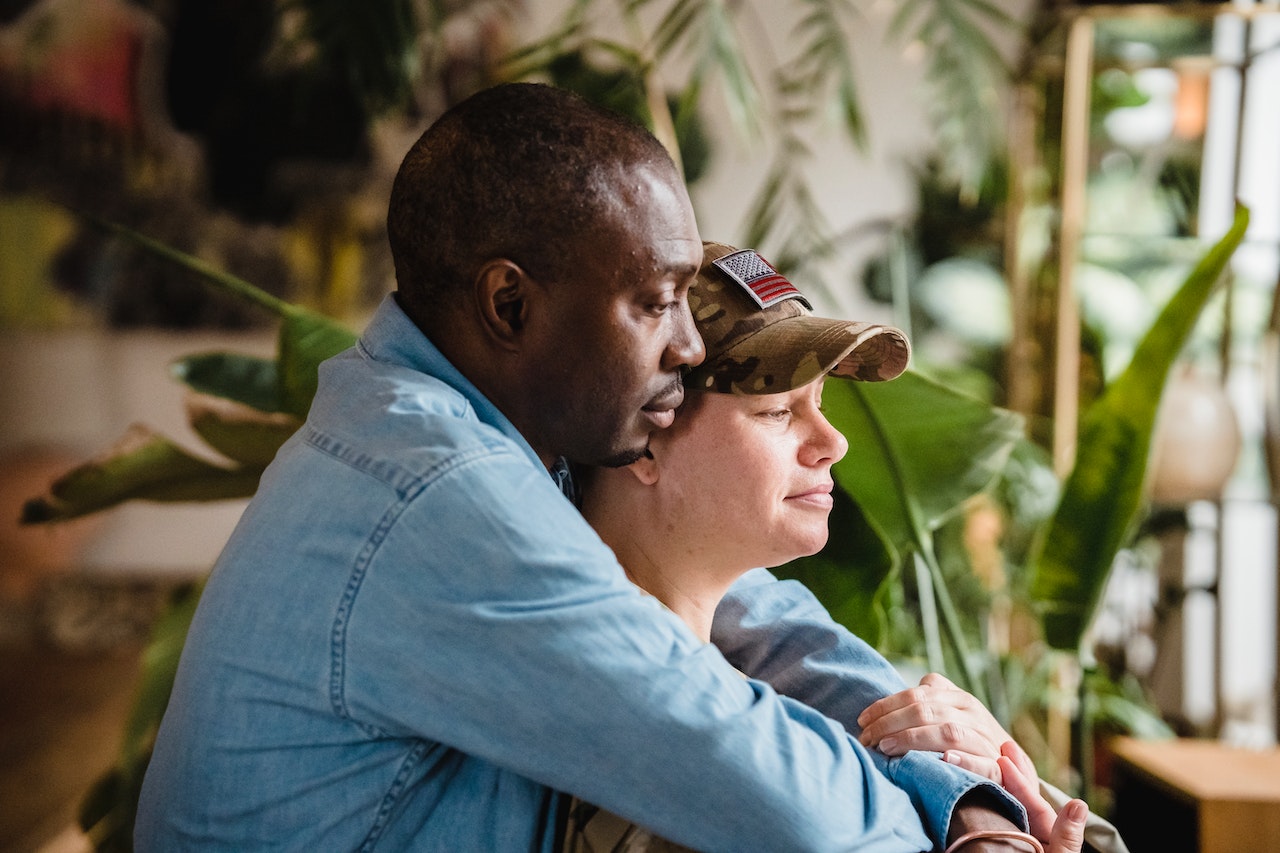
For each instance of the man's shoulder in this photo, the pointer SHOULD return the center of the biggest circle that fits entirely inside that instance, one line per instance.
(381, 417)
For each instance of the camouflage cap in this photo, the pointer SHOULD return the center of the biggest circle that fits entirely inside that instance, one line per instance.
(762, 338)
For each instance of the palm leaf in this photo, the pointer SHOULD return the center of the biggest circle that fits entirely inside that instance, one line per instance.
(143, 466)
(242, 434)
(906, 479)
(1103, 492)
(306, 338)
(246, 379)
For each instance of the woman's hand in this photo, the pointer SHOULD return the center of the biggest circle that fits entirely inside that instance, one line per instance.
(939, 717)
(1020, 779)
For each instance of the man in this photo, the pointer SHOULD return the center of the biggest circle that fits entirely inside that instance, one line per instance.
(412, 638)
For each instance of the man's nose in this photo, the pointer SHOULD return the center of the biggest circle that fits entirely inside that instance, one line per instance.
(685, 347)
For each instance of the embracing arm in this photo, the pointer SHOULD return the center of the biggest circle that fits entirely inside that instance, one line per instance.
(938, 715)
(522, 644)
(780, 633)
(777, 631)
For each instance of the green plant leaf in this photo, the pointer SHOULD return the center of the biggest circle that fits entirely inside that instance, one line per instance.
(108, 811)
(240, 433)
(159, 666)
(143, 466)
(306, 339)
(246, 379)
(1103, 492)
(918, 450)
(847, 574)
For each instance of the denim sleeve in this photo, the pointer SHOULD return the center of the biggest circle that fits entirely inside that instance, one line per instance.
(488, 617)
(778, 632)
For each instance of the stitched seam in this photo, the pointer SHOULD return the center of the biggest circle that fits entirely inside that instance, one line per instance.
(389, 800)
(338, 632)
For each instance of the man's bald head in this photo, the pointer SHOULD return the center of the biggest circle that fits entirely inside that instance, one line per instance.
(521, 171)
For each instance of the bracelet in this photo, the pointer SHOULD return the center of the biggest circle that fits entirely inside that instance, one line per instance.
(1010, 834)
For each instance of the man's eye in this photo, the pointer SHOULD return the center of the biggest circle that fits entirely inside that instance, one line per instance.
(662, 307)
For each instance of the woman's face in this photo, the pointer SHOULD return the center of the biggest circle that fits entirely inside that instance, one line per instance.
(752, 474)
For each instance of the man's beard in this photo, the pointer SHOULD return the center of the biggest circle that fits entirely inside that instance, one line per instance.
(626, 457)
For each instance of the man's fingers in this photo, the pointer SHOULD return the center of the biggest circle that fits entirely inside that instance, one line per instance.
(1068, 829)
(981, 765)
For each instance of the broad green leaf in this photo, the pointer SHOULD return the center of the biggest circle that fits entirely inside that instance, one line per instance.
(847, 574)
(144, 466)
(246, 379)
(108, 811)
(159, 665)
(917, 451)
(240, 433)
(306, 339)
(1103, 492)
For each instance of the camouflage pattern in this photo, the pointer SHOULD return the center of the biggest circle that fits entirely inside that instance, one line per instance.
(753, 350)
(591, 829)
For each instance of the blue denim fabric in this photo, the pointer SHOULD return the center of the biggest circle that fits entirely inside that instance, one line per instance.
(778, 632)
(412, 639)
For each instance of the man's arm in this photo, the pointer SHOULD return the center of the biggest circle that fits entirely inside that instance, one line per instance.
(522, 643)
(778, 632)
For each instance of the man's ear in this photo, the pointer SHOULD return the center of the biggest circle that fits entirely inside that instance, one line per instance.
(501, 290)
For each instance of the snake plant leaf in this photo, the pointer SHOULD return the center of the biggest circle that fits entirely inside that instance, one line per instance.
(142, 466)
(917, 451)
(1103, 492)
(240, 433)
(245, 379)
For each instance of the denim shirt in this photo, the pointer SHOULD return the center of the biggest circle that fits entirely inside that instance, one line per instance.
(412, 640)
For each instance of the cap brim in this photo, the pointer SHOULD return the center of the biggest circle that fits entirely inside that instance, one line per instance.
(794, 351)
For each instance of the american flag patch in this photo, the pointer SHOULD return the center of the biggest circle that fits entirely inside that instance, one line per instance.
(765, 284)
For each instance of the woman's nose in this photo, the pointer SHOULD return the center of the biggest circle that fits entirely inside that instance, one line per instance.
(827, 443)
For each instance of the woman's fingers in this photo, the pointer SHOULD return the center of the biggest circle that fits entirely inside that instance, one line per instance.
(1068, 829)
(1015, 753)
(935, 716)
(1026, 789)
(975, 764)
(941, 737)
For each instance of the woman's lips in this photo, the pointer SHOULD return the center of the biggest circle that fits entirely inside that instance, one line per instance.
(818, 496)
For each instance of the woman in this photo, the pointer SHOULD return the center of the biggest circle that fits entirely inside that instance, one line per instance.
(743, 479)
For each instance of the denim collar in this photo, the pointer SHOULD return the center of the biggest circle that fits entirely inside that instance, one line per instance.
(391, 337)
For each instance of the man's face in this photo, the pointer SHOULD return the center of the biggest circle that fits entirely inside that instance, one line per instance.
(606, 356)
